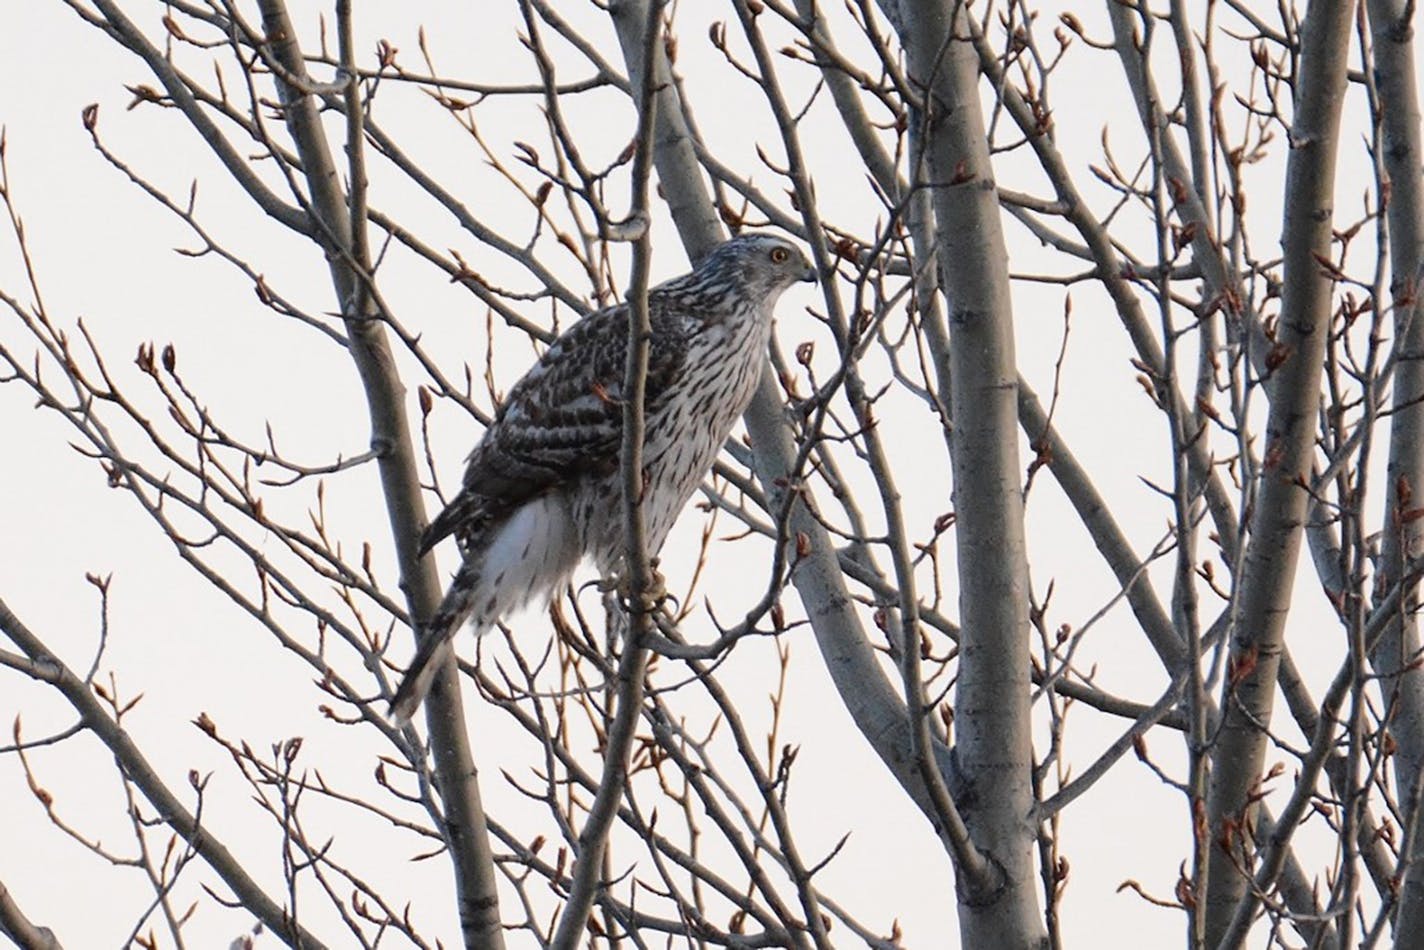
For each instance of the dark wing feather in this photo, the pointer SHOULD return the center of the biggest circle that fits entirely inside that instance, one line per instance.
(562, 420)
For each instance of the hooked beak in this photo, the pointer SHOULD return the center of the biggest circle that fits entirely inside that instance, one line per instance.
(809, 275)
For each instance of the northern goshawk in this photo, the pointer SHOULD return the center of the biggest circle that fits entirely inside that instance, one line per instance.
(542, 490)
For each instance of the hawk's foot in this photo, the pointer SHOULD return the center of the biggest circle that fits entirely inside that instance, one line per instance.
(635, 601)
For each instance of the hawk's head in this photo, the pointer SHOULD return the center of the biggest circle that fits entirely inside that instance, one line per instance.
(746, 273)
(755, 265)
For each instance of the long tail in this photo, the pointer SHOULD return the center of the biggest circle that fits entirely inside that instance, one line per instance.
(434, 646)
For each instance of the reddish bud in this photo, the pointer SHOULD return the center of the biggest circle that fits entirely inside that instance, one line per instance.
(386, 53)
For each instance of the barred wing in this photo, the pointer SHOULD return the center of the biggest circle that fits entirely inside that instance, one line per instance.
(561, 422)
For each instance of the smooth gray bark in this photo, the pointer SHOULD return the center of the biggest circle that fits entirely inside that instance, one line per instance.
(1401, 681)
(15, 925)
(992, 723)
(1282, 498)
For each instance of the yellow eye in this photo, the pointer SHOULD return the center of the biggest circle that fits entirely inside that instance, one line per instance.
(780, 255)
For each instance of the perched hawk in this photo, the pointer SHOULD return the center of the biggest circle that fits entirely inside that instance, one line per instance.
(542, 489)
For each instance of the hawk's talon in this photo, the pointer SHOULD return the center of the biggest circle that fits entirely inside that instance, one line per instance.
(645, 601)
